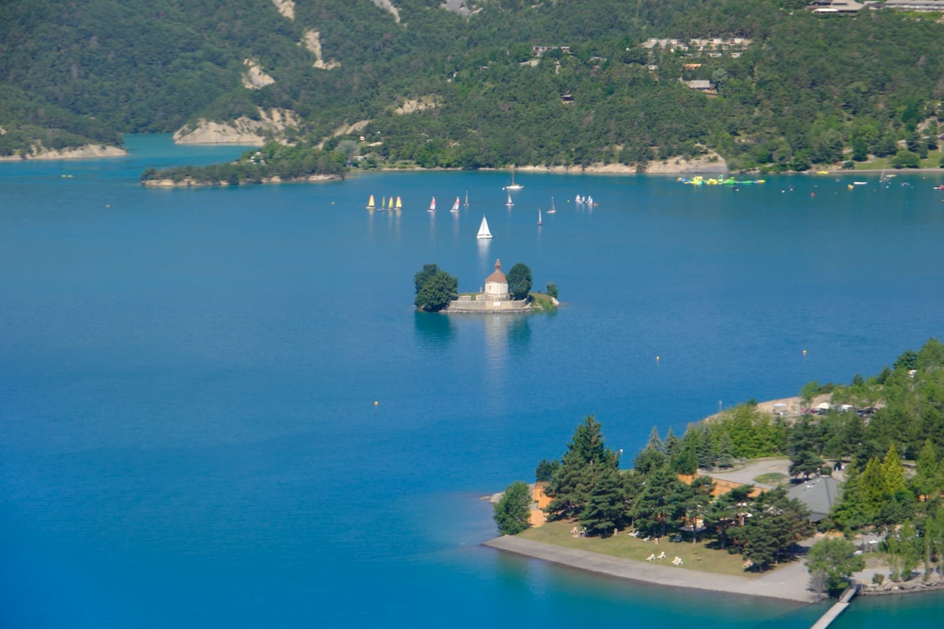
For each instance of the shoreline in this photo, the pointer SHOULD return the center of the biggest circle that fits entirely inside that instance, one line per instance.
(87, 151)
(780, 584)
(192, 183)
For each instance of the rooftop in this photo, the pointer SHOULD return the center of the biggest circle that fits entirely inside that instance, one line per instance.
(818, 494)
(497, 275)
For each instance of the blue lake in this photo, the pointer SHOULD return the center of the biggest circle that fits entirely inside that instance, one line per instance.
(188, 434)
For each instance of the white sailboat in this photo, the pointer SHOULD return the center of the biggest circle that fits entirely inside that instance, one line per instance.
(590, 201)
(432, 205)
(513, 185)
(466, 198)
(539, 217)
(455, 206)
(370, 203)
(483, 230)
(510, 202)
(553, 210)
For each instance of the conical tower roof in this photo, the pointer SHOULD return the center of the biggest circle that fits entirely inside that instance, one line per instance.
(497, 275)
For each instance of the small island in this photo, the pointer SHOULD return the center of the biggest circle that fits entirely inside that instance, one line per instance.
(437, 291)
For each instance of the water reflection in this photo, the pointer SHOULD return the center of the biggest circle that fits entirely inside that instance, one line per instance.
(503, 333)
(434, 330)
(484, 263)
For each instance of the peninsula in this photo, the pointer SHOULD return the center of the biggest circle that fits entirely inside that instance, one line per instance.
(273, 163)
(791, 499)
(437, 291)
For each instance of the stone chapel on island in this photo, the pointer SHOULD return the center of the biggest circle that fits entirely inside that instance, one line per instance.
(495, 298)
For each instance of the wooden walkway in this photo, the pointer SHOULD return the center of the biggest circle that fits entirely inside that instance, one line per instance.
(834, 611)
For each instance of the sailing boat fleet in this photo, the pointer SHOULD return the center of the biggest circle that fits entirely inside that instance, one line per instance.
(395, 204)
(384, 204)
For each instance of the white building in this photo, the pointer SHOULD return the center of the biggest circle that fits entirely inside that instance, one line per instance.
(496, 285)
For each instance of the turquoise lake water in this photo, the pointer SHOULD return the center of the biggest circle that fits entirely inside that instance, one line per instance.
(188, 434)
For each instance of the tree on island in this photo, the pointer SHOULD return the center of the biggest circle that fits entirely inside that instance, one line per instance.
(834, 558)
(423, 275)
(519, 281)
(552, 290)
(437, 291)
(513, 512)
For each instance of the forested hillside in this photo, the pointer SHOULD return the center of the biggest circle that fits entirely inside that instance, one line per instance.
(443, 89)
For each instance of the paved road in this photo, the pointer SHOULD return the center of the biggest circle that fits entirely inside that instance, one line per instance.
(785, 583)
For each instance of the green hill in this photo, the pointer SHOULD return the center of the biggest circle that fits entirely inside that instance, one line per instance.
(439, 89)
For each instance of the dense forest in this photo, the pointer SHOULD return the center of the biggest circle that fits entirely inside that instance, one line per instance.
(887, 436)
(805, 90)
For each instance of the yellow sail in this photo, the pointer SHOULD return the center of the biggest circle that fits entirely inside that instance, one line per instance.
(399, 205)
(391, 203)
(370, 203)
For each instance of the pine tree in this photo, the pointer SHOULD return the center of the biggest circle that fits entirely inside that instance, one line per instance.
(706, 451)
(685, 459)
(587, 443)
(654, 507)
(872, 489)
(848, 512)
(928, 481)
(671, 444)
(696, 502)
(655, 442)
(605, 507)
(725, 454)
(893, 472)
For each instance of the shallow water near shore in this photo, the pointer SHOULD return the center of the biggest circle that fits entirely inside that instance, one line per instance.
(188, 380)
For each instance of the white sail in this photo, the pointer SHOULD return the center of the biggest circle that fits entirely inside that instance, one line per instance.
(539, 216)
(466, 198)
(510, 202)
(513, 185)
(553, 210)
(455, 206)
(483, 230)
(432, 205)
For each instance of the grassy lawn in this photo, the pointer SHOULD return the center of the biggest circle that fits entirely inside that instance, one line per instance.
(772, 478)
(540, 301)
(696, 556)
